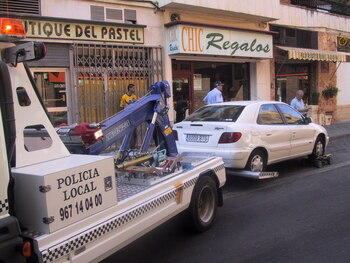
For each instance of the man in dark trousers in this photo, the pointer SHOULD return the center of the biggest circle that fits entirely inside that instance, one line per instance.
(180, 108)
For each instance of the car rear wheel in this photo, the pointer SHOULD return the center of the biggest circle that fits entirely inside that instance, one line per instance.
(257, 161)
(318, 148)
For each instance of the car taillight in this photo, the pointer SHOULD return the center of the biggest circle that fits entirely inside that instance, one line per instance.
(230, 137)
(175, 135)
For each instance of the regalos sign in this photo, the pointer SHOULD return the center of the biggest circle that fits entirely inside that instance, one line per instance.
(188, 39)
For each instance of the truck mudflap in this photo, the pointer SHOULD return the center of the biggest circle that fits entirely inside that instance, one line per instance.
(117, 229)
(10, 241)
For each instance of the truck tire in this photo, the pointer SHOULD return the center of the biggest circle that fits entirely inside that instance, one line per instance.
(204, 203)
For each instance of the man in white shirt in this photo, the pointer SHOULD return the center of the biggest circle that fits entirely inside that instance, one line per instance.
(215, 95)
(298, 103)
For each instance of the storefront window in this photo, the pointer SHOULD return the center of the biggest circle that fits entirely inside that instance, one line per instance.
(52, 88)
(234, 75)
(192, 80)
(290, 78)
(103, 73)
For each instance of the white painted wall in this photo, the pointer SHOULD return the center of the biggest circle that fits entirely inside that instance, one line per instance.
(343, 83)
(265, 9)
(260, 80)
(78, 9)
(290, 15)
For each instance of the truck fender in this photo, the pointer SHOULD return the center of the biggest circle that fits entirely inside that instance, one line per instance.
(213, 175)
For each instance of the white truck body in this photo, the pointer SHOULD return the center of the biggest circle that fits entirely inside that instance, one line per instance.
(75, 208)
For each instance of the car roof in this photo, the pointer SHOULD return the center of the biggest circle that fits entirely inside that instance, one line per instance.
(247, 102)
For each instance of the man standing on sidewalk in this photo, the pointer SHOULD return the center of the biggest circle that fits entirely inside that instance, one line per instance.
(215, 95)
(298, 103)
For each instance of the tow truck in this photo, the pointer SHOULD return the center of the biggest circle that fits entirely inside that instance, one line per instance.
(56, 206)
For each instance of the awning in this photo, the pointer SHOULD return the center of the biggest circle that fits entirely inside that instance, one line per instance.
(314, 54)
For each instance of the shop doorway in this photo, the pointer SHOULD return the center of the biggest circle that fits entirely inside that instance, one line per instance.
(182, 83)
(192, 80)
(52, 87)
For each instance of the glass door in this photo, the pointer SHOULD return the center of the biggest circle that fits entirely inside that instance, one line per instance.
(181, 93)
(52, 87)
(182, 89)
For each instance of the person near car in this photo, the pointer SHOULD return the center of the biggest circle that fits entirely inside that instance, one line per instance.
(215, 95)
(298, 103)
(129, 97)
(180, 107)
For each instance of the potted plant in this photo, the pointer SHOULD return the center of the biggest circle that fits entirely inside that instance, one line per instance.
(330, 91)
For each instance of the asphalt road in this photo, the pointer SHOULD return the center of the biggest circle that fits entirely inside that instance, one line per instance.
(302, 216)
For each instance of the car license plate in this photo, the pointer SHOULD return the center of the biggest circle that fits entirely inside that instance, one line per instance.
(197, 138)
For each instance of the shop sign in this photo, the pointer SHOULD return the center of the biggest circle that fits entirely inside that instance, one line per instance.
(187, 39)
(343, 44)
(81, 31)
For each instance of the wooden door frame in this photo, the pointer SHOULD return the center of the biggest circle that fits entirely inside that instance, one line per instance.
(184, 74)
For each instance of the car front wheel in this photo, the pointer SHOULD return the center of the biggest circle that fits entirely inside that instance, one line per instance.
(257, 161)
(318, 148)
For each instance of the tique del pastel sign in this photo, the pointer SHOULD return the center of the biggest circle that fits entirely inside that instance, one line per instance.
(83, 31)
(187, 39)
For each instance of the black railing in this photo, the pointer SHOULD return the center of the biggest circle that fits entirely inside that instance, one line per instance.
(335, 7)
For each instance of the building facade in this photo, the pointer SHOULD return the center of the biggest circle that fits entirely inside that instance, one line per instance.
(94, 50)
(312, 54)
(261, 50)
(209, 41)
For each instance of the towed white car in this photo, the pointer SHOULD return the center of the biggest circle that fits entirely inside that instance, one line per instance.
(250, 135)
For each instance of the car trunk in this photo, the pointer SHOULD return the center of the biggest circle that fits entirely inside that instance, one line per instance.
(200, 134)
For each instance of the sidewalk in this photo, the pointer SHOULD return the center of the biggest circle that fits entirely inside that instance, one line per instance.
(338, 130)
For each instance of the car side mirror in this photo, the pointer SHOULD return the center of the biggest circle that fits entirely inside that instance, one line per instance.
(307, 120)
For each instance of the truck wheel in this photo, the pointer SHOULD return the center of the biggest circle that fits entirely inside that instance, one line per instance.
(203, 204)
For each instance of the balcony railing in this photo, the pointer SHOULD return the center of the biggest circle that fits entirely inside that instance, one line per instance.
(329, 6)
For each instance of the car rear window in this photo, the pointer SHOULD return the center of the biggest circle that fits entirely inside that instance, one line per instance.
(227, 113)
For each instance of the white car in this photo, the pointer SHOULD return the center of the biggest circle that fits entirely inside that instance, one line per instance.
(250, 135)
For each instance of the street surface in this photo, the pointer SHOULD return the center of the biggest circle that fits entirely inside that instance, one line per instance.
(302, 216)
